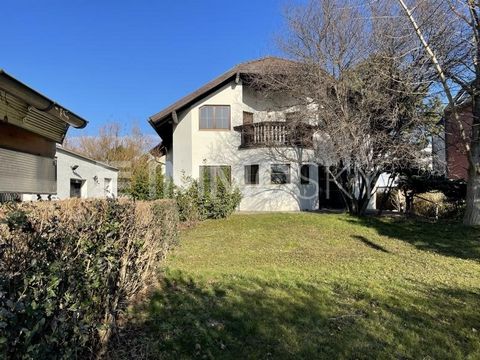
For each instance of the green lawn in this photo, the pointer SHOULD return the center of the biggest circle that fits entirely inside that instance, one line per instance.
(308, 286)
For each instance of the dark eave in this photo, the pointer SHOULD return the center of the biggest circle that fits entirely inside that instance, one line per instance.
(39, 101)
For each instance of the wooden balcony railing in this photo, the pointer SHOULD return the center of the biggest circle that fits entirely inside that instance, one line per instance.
(275, 133)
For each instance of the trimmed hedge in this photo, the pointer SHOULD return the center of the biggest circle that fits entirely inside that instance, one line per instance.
(68, 269)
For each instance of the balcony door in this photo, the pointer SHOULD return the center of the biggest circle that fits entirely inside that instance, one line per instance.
(247, 118)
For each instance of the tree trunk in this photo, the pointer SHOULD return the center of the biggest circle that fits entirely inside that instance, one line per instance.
(472, 212)
(408, 203)
(357, 207)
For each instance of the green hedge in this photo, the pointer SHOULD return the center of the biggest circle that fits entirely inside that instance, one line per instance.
(198, 201)
(68, 269)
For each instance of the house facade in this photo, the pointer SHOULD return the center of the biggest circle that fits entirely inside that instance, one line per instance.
(227, 128)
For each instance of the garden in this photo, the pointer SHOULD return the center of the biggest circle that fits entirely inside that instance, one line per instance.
(184, 278)
(305, 285)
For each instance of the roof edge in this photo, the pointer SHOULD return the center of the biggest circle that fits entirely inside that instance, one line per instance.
(245, 68)
(96, 162)
(192, 97)
(32, 97)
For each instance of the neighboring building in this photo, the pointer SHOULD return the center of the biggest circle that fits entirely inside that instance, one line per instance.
(81, 177)
(224, 128)
(456, 157)
(30, 127)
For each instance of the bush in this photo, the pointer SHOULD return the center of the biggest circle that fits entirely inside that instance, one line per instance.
(393, 200)
(433, 204)
(147, 181)
(198, 201)
(68, 270)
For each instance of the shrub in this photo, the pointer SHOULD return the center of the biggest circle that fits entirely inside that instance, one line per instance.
(68, 269)
(200, 201)
(188, 203)
(393, 200)
(433, 204)
(147, 181)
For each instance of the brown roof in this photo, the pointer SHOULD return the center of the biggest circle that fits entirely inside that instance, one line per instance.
(251, 67)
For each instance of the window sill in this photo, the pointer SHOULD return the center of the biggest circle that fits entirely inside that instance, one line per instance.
(224, 130)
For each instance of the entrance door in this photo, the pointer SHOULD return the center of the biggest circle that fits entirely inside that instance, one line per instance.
(76, 188)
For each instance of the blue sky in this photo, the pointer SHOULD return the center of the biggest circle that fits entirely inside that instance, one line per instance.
(125, 60)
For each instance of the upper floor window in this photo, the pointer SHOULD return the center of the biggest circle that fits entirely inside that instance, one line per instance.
(214, 117)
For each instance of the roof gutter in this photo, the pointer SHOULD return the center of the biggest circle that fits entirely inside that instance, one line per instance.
(39, 101)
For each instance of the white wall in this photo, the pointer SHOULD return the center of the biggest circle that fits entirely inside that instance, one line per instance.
(86, 171)
(266, 196)
(181, 156)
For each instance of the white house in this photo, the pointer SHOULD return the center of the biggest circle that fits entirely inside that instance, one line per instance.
(224, 127)
(82, 177)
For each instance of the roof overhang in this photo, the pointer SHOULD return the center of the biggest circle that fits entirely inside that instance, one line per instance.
(40, 102)
(171, 112)
(241, 71)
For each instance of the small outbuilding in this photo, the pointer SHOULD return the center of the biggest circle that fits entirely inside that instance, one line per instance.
(80, 177)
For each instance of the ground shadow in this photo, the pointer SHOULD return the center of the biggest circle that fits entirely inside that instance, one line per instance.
(252, 319)
(443, 237)
(370, 243)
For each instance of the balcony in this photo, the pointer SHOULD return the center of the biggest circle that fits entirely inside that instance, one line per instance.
(275, 133)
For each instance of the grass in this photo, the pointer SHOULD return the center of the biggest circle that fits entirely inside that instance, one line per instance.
(314, 286)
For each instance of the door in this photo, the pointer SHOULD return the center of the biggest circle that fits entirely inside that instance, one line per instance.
(330, 196)
(76, 188)
(247, 118)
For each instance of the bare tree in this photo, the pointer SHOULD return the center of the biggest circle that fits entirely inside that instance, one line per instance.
(456, 62)
(127, 151)
(112, 145)
(358, 91)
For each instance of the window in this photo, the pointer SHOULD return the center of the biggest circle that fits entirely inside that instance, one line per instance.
(251, 174)
(280, 174)
(214, 174)
(305, 174)
(107, 186)
(215, 117)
